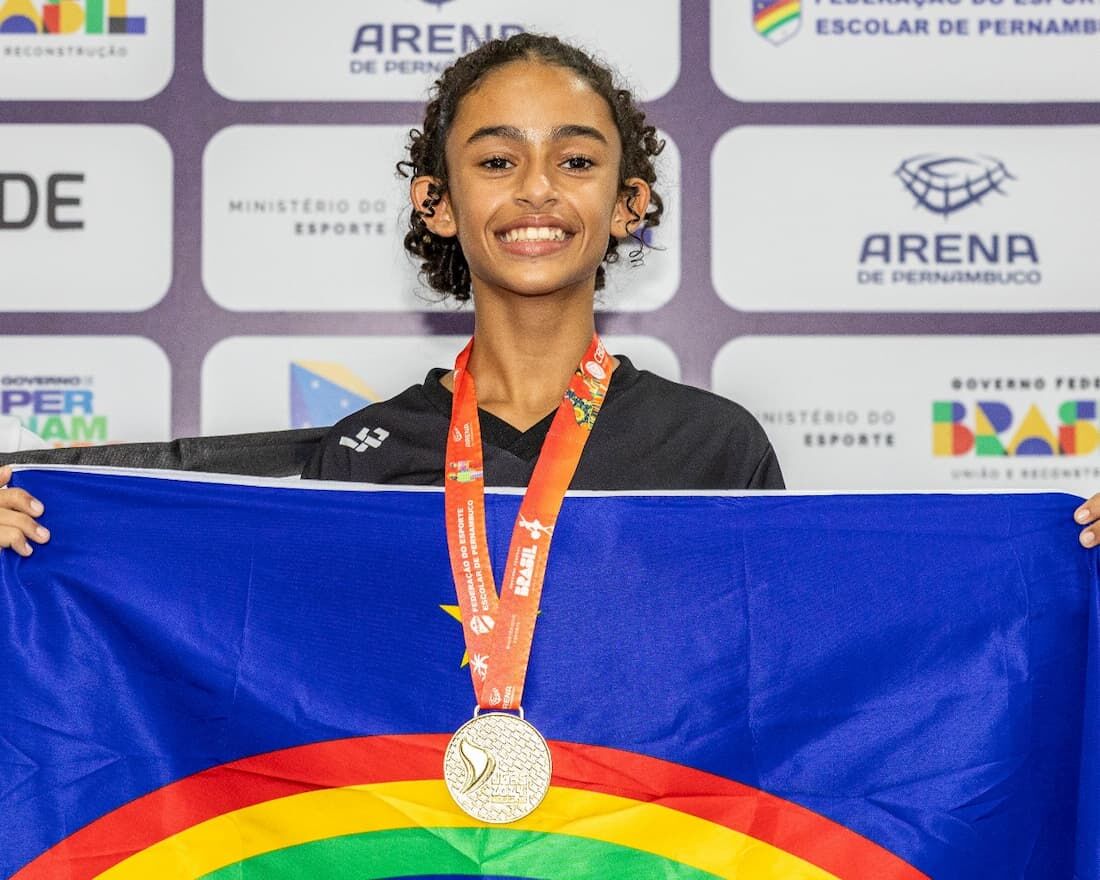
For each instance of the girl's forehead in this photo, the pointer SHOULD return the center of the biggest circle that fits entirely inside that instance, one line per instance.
(534, 96)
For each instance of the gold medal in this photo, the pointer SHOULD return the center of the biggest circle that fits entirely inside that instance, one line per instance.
(497, 767)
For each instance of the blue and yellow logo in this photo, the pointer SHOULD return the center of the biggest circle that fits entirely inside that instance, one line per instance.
(322, 393)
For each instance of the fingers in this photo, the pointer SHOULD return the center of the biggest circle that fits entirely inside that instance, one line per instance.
(1088, 514)
(18, 509)
(19, 530)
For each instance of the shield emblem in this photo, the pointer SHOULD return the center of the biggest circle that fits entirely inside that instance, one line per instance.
(777, 20)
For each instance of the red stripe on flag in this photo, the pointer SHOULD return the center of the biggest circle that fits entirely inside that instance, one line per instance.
(139, 824)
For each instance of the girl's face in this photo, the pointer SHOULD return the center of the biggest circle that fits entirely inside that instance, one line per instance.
(533, 165)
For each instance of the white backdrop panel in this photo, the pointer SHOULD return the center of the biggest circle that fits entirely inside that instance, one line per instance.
(905, 218)
(351, 50)
(942, 50)
(860, 412)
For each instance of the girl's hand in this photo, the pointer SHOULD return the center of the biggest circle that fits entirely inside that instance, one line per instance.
(17, 512)
(1088, 514)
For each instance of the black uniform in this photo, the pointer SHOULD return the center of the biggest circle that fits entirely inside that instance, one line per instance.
(650, 434)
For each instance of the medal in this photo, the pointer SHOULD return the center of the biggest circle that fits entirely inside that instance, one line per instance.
(497, 766)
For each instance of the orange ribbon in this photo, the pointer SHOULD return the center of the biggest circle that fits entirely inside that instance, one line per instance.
(499, 630)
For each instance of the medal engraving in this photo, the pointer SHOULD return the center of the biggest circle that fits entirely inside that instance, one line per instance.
(497, 768)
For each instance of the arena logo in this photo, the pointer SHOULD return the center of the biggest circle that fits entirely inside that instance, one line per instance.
(777, 20)
(54, 198)
(60, 410)
(944, 185)
(987, 428)
(418, 48)
(90, 17)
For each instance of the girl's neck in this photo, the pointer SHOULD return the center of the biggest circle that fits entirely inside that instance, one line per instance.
(525, 351)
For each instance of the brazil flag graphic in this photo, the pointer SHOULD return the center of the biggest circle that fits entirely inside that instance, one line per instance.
(258, 680)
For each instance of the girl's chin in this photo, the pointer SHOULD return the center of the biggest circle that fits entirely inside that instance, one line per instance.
(535, 288)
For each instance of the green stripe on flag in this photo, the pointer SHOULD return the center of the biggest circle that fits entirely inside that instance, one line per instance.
(413, 852)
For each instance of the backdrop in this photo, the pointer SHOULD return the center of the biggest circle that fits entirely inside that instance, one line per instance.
(878, 236)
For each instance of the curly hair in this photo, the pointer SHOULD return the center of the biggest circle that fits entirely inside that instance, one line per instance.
(443, 265)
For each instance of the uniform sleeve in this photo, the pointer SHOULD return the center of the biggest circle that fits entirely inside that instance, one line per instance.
(328, 462)
(767, 474)
(312, 470)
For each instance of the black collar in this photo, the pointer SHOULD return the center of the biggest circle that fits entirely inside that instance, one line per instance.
(499, 433)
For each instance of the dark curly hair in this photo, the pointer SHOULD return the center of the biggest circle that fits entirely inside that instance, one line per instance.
(443, 265)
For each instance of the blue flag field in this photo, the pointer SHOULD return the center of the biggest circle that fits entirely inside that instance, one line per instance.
(256, 680)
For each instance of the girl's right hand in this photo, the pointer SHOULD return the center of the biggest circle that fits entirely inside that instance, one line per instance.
(18, 510)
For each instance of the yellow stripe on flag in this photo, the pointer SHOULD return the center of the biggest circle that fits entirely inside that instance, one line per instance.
(327, 813)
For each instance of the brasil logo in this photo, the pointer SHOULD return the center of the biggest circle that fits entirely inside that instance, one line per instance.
(988, 429)
(777, 20)
(376, 807)
(69, 17)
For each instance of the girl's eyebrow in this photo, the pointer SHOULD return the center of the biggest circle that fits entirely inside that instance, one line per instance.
(557, 133)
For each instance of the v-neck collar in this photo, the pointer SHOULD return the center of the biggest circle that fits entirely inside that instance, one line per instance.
(499, 433)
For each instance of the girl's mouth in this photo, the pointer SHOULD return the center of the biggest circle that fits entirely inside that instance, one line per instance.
(533, 233)
(534, 241)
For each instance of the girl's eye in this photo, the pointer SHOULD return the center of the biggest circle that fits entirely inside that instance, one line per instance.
(578, 163)
(496, 163)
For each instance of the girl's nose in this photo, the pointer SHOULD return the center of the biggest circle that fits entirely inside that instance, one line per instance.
(536, 188)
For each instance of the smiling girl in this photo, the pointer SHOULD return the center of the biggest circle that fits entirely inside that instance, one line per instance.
(532, 167)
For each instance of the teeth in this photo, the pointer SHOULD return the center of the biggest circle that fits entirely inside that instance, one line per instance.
(534, 233)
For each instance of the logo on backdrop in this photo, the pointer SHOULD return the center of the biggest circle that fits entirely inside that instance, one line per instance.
(992, 426)
(53, 200)
(776, 20)
(80, 50)
(322, 393)
(54, 17)
(834, 428)
(945, 185)
(978, 420)
(59, 409)
(419, 48)
(339, 217)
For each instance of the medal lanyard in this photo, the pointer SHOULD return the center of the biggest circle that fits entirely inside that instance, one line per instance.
(499, 630)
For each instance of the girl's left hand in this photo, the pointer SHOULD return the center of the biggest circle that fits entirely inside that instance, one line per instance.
(1088, 514)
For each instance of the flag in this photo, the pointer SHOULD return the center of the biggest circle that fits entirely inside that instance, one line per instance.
(253, 679)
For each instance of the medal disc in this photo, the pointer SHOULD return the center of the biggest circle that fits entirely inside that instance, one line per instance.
(497, 767)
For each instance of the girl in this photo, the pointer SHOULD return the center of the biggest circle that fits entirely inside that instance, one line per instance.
(531, 168)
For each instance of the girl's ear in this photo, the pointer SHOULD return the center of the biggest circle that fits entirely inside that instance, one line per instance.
(630, 208)
(424, 191)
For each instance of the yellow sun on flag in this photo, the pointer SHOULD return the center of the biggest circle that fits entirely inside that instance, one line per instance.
(456, 612)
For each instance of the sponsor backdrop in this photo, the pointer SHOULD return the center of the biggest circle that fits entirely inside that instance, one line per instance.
(879, 231)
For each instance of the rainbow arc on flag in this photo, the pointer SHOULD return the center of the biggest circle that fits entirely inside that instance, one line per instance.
(376, 807)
